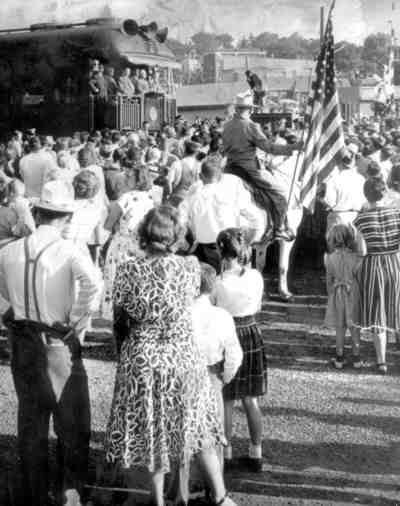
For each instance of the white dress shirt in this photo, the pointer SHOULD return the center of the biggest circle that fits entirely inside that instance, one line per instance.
(85, 223)
(345, 193)
(101, 200)
(386, 168)
(215, 335)
(67, 283)
(240, 293)
(35, 170)
(216, 206)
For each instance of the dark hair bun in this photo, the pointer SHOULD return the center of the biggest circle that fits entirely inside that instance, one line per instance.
(374, 189)
(231, 243)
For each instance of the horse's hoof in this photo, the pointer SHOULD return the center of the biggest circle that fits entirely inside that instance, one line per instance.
(286, 297)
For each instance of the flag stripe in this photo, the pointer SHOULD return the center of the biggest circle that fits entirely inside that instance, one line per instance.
(325, 149)
(325, 139)
(331, 113)
(333, 153)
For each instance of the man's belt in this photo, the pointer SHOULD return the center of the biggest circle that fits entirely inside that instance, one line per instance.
(63, 334)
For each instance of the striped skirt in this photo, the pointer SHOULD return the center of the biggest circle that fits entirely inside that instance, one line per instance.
(251, 378)
(378, 284)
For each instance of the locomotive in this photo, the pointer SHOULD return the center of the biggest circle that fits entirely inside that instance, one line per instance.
(45, 69)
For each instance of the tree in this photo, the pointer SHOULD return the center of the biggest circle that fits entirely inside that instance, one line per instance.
(375, 51)
(225, 40)
(180, 50)
(266, 41)
(246, 43)
(205, 42)
(348, 57)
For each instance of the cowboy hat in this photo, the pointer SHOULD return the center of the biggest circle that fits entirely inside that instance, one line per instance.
(57, 196)
(244, 101)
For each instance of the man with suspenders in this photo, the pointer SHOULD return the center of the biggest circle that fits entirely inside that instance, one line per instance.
(52, 287)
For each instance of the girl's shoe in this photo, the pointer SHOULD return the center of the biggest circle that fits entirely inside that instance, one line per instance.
(382, 369)
(338, 362)
(357, 363)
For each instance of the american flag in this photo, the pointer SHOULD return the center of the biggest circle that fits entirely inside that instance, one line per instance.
(325, 138)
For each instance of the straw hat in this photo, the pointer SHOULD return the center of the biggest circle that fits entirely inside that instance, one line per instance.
(57, 196)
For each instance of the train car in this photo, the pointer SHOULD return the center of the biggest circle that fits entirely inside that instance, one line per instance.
(45, 71)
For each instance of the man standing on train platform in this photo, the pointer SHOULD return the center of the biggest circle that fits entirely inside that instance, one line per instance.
(111, 84)
(52, 288)
(101, 84)
(241, 137)
(125, 83)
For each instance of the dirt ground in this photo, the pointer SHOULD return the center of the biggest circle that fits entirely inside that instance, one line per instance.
(331, 437)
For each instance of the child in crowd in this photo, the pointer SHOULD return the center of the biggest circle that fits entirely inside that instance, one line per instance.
(17, 201)
(239, 290)
(341, 266)
(215, 333)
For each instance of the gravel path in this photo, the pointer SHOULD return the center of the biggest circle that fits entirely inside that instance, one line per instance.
(331, 438)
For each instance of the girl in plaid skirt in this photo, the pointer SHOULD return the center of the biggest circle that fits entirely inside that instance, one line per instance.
(239, 290)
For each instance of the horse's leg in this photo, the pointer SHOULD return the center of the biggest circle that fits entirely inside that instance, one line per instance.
(285, 249)
(259, 256)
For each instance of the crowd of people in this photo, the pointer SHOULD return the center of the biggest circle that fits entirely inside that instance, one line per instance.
(105, 85)
(156, 230)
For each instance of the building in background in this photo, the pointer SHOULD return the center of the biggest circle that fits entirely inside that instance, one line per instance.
(212, 99)
(191, 68)
(229, 66)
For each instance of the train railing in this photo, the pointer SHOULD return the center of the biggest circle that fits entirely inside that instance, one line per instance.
(169, 110)
(129, 113)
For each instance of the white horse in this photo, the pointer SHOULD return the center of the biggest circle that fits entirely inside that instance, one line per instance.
(283, 169)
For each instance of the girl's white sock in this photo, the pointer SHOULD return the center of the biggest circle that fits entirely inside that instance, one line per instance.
(255, 451)
(228, 452)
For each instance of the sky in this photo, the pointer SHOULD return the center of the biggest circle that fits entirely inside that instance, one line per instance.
(353, 19)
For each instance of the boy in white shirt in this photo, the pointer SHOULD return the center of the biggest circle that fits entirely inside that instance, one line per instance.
(215, 334)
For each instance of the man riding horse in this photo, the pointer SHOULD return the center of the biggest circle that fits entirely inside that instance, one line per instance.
(241, 138)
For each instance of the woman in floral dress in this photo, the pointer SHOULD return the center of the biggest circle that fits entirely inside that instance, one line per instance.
(164, 410)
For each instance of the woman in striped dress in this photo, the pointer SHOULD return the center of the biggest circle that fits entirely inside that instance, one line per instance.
(379, 275)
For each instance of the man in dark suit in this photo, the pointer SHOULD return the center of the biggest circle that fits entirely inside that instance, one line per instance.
(256, 87)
